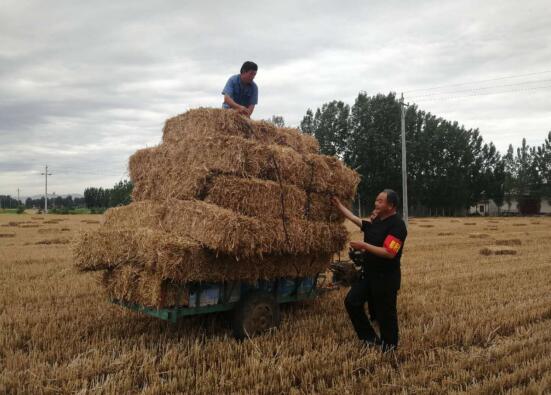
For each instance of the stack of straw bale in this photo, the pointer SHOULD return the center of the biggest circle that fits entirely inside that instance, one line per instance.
(222, 198)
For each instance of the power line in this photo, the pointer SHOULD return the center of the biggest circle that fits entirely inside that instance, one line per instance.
(482, 88)
(443, 98)
(479, 81)
(88, 173)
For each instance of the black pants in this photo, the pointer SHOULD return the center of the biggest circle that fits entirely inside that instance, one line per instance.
(381, 301)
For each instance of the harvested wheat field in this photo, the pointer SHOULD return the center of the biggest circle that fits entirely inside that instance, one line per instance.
(469, 323)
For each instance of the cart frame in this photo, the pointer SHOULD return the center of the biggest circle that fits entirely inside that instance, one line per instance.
(173, 314)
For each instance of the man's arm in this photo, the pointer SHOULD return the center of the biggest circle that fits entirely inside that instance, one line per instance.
(379, 251)
(391, 245)
(346, 212)
(241, 109)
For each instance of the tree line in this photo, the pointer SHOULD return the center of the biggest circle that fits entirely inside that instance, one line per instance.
(450, 168)
(67, 202)
(96, 199)
(103, 198)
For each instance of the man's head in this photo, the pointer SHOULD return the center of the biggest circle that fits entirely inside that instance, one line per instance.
(386, 202)
(248, 72)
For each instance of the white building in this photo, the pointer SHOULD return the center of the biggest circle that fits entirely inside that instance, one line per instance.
(489, 207)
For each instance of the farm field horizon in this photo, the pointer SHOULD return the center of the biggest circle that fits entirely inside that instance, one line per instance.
(469, 322)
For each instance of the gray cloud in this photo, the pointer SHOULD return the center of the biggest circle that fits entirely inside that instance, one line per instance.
(83, 85)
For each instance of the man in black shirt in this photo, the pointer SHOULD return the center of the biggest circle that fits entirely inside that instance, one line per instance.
(384, 236)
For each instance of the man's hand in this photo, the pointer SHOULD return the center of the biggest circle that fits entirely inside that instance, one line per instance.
(344, 211)
(243, 111)
(335, 201)
(374, 214)
(357, 245)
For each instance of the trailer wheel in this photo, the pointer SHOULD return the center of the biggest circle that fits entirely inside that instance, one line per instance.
(256, 313)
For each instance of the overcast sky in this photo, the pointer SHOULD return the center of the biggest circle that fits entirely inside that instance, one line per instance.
(85, 84)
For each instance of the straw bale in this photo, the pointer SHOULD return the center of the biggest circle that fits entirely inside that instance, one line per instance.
(165, 172)
(213, 122)
(107, 249)
(477, 235)
(181, 171)
(48, 230)
(319, 208)
(181, 259)
(132, 284)
(54, 241)
(493, 250)
(7, 235)
(469, 223)
(227, 232)
(313, 173)
(509, 242)
(259, 198)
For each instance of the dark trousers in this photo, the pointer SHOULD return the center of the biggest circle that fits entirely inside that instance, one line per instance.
(381, 301)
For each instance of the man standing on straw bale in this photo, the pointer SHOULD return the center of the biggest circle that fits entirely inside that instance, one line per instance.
(384, 236)
(240, 92)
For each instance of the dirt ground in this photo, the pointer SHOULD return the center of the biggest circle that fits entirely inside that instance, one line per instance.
(470, 323)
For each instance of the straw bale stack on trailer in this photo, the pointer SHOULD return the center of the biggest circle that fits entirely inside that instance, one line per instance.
(222, 198)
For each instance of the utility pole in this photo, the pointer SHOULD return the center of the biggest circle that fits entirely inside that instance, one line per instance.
(46, 174)
(18, 201)
(404, 163)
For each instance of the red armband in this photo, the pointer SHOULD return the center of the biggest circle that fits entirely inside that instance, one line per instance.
(392, 244)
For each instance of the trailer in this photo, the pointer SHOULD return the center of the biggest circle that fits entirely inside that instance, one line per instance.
(254, 305)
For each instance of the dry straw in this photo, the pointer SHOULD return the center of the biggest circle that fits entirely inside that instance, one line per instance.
(478, 235)
(227, 232)
(182, 171)
(223, 198)
(509, 242)
(54, 241)
(259, 198)
(494, 250)
(183, 260)
(215, 122)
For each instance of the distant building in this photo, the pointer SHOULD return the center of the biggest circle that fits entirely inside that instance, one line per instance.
(490, 208)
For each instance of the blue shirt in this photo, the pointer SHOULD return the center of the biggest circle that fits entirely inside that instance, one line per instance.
(243, 94)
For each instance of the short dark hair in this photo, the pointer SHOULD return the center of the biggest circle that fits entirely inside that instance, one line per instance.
(392, 197)
(248, 66)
